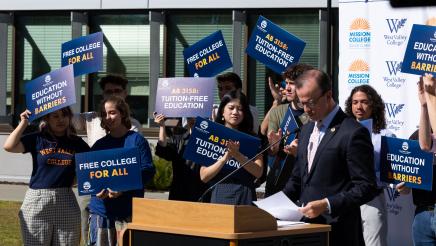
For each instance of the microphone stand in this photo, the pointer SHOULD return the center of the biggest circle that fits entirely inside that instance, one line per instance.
(246, 162)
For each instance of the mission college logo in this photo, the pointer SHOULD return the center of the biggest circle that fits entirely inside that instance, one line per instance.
(358, 73)
(396, 32)
(360, 34)
(394, 110)
(393, 74)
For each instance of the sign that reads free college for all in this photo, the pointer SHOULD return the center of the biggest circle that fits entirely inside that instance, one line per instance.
(207, 143)
(50, 92)
(420, 56)
(403, 160)
(208, 57)
(86, 53)
(185, 97)
(117, 169)
(274, 46)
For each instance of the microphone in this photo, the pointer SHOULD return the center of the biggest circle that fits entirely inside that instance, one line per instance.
(246, 162)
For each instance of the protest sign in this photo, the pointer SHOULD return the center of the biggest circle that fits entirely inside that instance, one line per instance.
(274, 46)
(185, 97)
(208, 57)
(403, 160)
(208, 143)
(118, 169)
(420, 55)
(50, 92)
(86, 53)
(289, 124)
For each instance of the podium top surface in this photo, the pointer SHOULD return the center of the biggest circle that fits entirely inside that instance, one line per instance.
(210, 220)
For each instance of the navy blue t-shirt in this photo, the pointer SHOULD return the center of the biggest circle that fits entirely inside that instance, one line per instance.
(121, 207)
(53, 159)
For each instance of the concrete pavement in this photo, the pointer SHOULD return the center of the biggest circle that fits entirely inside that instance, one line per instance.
(16, 192)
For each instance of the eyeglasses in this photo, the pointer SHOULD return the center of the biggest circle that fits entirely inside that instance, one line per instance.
(312, 102)
(112, 91)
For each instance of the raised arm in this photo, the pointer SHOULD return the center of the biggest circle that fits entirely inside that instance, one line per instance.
(160, 119)
(430, 97)
(425, 137)
(13, 143)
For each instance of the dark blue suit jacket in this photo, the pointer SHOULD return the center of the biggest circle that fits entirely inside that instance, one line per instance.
(342, 171)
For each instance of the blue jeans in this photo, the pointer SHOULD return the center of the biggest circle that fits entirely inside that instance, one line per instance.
(424, 228)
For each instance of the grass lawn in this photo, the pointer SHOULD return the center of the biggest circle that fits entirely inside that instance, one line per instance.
(9, 226)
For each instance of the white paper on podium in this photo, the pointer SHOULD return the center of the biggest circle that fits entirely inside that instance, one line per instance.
(284, 223)
(280, 206)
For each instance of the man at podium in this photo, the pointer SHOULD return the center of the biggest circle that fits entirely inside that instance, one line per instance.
(334, 172)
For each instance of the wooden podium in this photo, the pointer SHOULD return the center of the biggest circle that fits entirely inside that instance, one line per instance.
(164, 222)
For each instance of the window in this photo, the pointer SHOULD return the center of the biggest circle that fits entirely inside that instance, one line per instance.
(38, 46)
(185, 29)
(126, 52)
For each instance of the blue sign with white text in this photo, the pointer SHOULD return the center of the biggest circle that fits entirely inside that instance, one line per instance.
(289, 124)
(274, 46)
(50, 92)
(420, 55)
(207, 143)
(118, 169)
(208, 57)
(185, 97)
(86, 53)
(403, 160)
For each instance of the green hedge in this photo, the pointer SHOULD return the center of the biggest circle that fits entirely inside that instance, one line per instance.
(164, 172)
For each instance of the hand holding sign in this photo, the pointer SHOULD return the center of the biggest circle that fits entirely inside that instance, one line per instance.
(429, 84)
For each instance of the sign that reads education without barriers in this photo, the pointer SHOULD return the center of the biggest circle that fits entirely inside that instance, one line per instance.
(50, 92)
(402, 160)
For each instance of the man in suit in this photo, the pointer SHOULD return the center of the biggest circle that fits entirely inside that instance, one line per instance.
(334, 171)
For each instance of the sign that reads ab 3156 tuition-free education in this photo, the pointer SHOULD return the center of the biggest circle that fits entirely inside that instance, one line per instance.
(207, 144)
(274, 46)
(185, 97)
(208, 57)
(117, 169)
(420, 55)
(86, 53)
(50, 92)
(402, 160)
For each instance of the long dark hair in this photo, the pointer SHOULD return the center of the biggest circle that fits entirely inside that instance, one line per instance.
(121, 106)
(70, 131)
(246, 124)
(375, 102)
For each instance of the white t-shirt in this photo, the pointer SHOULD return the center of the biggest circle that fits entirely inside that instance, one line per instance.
(94, 131)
